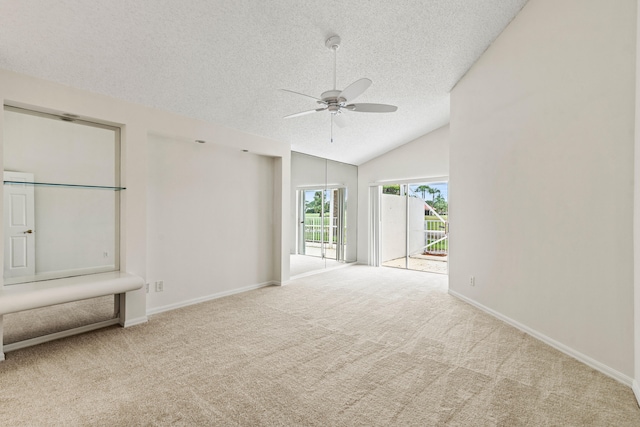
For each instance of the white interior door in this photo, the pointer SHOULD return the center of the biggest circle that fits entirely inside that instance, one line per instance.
(19, 221)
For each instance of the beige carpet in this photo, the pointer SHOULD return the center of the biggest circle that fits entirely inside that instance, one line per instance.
(358, 346)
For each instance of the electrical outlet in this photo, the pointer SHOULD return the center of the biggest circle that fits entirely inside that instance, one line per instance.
(105, 254)
(147, 288)
(472, 281)
(159, 286)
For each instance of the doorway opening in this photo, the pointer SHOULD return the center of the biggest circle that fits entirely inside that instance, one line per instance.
(414, 229)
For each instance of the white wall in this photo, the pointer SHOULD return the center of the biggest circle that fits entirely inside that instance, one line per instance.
(542, 178)
(210, 220)
(310, 171)
(137, 123)
(420, 160)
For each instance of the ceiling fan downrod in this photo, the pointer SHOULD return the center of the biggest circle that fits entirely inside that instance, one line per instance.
(333, 43)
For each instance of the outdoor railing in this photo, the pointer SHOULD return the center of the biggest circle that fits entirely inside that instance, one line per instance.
(315, 232)
(436, 238)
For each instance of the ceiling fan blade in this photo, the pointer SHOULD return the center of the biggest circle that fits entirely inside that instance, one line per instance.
(339, 120)
(302, 94)
(303, 113)
(371, 108)
(355, 89)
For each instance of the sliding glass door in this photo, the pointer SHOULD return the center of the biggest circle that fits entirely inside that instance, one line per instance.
(414, 227)
(322, 223)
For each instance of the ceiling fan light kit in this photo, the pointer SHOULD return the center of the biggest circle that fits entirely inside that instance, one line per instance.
(338, 101)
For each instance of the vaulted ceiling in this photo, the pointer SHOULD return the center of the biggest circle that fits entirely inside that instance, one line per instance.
(223, 61)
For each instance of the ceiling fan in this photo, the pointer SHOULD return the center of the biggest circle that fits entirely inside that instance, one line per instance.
(338, 101)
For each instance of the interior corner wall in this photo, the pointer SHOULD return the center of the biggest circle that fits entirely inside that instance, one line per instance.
(423, 158)
(281, 205)
(542, 146)
(210, 220)
(137, 123)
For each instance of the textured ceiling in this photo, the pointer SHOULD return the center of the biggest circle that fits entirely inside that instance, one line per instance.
(223, 61)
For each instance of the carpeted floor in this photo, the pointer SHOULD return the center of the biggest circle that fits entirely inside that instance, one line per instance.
(358, 346)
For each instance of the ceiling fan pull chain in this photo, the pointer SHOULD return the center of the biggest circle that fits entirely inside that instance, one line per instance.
(331, 127)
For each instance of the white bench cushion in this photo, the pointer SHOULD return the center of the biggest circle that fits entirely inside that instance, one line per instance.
(26, 296)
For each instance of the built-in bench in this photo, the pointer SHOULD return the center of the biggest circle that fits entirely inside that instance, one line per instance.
(27, 296)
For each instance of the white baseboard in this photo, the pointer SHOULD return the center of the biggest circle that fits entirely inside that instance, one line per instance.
(136, 321)
(636, 390)
(169, 307)
(608, 371)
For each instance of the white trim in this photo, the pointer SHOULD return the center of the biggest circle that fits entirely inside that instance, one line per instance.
(636, 390)
(375, 225)
(136, 321)
(177, 305)
(321, 187)
(411, 181)
(608, 371)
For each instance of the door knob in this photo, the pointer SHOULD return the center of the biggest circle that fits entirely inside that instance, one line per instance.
(28, 232)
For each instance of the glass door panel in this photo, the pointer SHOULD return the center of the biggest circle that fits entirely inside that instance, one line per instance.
(427, 231)
(323, 228)
(312, 229)
(393, 226)
(414, 227)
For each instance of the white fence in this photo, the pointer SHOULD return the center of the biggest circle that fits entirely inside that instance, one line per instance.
(315, 232)
(435, 238)
(430, 240)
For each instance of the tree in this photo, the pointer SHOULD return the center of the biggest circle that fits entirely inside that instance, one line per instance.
(391, 189)
(434, 193)
(315, 206)
(440, 205)
(423, 189)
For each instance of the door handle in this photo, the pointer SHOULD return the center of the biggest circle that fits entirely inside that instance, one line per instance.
(28, 232)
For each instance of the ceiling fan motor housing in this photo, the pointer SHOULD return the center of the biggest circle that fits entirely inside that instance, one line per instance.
(332, 100)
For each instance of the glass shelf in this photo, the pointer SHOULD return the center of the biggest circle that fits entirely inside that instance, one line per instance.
(48, 184)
